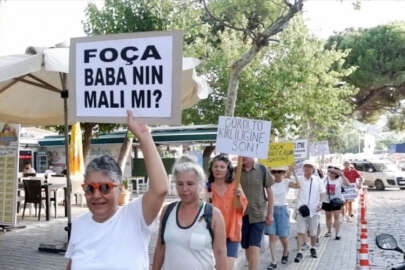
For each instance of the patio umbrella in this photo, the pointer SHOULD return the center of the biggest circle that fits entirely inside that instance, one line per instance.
(33, 91)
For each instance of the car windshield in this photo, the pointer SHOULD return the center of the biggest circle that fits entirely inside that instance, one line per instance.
(385, 167)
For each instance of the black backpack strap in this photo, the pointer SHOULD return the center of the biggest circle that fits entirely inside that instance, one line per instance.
(208, 219)
(169, 209)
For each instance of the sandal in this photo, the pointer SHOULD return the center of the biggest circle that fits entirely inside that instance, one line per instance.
(284, 259)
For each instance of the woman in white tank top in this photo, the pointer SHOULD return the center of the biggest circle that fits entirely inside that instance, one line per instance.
(187, 240)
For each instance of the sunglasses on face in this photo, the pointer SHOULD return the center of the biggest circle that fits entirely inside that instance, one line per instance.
(277, 171)
(104, 188)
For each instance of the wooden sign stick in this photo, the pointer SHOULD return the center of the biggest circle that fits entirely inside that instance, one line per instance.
(236, 202)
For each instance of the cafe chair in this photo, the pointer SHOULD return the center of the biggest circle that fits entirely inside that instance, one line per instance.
(33, 194)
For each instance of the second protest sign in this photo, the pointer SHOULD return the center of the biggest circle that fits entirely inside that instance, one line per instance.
(243, 137)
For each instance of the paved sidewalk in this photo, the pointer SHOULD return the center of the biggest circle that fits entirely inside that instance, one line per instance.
(332, 254)
(19, 249)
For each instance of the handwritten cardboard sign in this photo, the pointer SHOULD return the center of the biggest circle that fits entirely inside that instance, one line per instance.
(113, 73)
(280, 154)
(243, 137)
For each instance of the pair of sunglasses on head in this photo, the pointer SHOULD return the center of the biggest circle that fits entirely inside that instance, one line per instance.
(104, 188)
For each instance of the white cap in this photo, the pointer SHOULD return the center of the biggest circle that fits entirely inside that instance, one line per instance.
(309, 163)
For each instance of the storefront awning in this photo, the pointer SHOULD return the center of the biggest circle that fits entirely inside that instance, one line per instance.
(172, 135)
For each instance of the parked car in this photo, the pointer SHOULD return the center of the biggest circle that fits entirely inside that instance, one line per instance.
(380, 173)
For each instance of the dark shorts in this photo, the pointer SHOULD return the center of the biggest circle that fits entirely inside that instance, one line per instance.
(252, 233)
(328, 207)
(232, 248)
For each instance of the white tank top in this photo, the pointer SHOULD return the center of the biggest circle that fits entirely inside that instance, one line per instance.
(188, 248)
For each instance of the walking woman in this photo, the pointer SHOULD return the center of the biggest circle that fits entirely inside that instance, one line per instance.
(224, 193)
(333, 201)
(280, 228)
(186, 239)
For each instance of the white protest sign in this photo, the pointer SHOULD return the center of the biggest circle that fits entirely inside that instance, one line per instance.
(300, 149)
(113, 73)
(243, 137)
(319, 148)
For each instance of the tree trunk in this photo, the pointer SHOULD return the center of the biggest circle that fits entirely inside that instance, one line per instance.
(88, 133)
(125, 152)
(206, 156)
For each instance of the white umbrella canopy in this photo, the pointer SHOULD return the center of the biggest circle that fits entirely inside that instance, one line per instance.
(30, 86)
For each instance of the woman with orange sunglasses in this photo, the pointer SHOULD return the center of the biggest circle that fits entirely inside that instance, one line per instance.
(112, 237)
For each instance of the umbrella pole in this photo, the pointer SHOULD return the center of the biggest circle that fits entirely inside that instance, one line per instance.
(68, 181)
(52, 248)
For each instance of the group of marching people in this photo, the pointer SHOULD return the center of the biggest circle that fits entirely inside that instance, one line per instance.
(212, 218)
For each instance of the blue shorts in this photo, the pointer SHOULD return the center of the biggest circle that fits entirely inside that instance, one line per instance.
(252, 233)
(232, 248)
(281, 222)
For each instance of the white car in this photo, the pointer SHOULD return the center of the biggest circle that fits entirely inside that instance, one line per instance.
(380, 173)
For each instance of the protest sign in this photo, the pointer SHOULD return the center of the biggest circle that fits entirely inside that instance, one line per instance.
(300, 149)
(319, 148)
(110, 74)
(350, 192)
(280, 154)
(243, 137)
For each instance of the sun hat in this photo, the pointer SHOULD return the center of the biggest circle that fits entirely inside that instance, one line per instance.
(309, 163)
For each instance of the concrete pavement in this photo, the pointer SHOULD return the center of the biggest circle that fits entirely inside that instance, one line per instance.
(19, 248)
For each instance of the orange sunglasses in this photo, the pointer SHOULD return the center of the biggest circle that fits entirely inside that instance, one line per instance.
(104, 188)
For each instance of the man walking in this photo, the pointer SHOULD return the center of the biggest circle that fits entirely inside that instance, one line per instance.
(309, 201)
(256, 182)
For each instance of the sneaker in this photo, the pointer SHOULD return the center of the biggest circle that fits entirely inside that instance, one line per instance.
(327, 234)
(272, 266)
(284, 259)
(313, 253)
(298, 257)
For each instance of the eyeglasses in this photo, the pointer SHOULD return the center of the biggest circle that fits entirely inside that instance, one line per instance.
(277, 171)
(104, 188)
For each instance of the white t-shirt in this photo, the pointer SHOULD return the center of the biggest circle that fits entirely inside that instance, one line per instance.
(280, 191)
(188, 248)
(334, 189)
(316, 190)
(120, 243)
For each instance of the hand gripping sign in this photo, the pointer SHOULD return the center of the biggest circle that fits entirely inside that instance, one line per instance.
(243, 137)
(113, 73)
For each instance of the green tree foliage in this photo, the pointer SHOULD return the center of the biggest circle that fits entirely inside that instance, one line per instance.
(379, 55)
(291, 83)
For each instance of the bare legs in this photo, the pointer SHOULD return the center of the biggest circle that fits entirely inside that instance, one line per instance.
(252, 255)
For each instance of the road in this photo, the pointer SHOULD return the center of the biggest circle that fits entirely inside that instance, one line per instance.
(385, 214)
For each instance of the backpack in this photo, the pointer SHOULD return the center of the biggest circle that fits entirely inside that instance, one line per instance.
(207, 215)
(264, 170)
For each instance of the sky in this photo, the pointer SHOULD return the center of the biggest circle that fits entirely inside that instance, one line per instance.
(26, 23)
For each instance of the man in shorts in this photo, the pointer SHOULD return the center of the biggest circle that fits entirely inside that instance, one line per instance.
(255, 181)
(311, 193)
